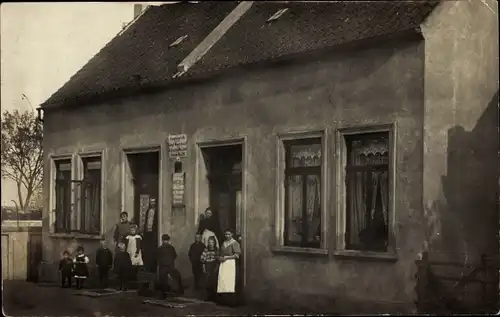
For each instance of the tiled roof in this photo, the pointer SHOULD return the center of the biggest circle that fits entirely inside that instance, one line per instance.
(309, 27)
(142, 56)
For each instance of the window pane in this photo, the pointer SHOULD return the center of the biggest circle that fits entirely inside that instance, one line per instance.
(304, 155)
(367, 210)
(63, 196)
(313, 209)
(91, 196)
(368, 149)
(294, 209)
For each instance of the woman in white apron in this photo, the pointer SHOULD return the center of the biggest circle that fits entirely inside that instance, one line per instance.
(230, 251)
(209, 227)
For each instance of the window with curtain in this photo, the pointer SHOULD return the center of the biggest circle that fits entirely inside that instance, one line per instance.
(90, 196)
(367, 191)
(63, 196)
(303, 193)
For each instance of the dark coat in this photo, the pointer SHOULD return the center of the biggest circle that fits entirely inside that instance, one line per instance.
(195, 251)
(211, 224)
(166, 256)
(66, 266)
(104, 258)
(122, 263)
(122, 230)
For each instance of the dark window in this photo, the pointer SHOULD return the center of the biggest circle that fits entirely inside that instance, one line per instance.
(303, 193)
(90, 196)
(63, 196)
(367, 191)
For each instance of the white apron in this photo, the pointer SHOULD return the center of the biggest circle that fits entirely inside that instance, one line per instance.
(131, 248)
(206, 234)
(227, 277)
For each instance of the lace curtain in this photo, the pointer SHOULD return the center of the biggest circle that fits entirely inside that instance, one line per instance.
(91, 213)
(63, 199)
(304, 156)
(368, 219)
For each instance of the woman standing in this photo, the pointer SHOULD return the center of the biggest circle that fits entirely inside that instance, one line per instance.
(230, 252)
(209, 227)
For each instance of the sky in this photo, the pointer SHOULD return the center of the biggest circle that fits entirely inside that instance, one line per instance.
(44, 44)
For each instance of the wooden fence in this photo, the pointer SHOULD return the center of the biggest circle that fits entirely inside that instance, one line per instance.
(445, 287)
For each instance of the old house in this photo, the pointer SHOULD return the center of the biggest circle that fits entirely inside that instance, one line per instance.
(333, 137)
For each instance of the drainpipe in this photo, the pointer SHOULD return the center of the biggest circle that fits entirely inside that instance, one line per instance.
(212, 38)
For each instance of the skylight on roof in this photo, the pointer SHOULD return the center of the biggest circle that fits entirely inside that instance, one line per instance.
(277, 15)
(178, 41)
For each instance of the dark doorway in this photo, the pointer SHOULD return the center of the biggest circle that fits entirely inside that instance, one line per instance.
(224, 169)
(144, 168)
(225, 182)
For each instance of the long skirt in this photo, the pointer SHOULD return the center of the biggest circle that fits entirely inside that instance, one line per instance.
(212, 278)
(207, 234)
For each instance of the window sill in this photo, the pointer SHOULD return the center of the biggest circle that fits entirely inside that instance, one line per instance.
(297, 250)
(76, 236)
(367, 255)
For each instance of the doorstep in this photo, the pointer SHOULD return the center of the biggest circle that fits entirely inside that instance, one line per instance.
(100, 292)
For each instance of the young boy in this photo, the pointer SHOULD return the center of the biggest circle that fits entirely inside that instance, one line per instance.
(195, 251)
(122, 229)
(122, 266)
(66, 268)
(104, 261)
(166, 265)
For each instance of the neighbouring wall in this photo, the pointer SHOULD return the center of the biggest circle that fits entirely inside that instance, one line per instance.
(460, 128)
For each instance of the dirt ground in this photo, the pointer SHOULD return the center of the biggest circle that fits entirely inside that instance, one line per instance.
(28, 299)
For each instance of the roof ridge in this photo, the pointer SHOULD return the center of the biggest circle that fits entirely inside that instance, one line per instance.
(132, 22)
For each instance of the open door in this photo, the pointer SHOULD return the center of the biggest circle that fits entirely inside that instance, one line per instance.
(224, 169)
(145, 175)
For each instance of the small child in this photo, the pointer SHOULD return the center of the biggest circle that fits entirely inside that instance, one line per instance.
(122, 266)
(66, 268)
(122, 229)
(133, 241)
(104, 261)
(195, 251)
(81, 270)
(166, 265)
(210, 264)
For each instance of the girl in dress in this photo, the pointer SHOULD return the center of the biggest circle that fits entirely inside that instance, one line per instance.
(133, 241)
(230, 252)
(210, 261)
(209, 227)
(81, 270)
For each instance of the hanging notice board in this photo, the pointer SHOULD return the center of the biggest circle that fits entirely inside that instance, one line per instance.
(178, 189)
(177, 146)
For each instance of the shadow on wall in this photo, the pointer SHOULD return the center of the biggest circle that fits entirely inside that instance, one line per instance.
(467, 213)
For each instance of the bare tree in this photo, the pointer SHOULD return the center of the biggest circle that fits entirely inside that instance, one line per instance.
(22, 157)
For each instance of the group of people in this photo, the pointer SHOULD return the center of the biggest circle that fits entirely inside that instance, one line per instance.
(126, 261)
(214, 262)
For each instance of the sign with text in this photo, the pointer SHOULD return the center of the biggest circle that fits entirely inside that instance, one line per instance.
(178, 190)
(177, 145)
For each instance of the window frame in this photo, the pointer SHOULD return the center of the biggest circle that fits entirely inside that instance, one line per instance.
(341, 179)
(54, 159)
(80, 173)
(280, 215)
